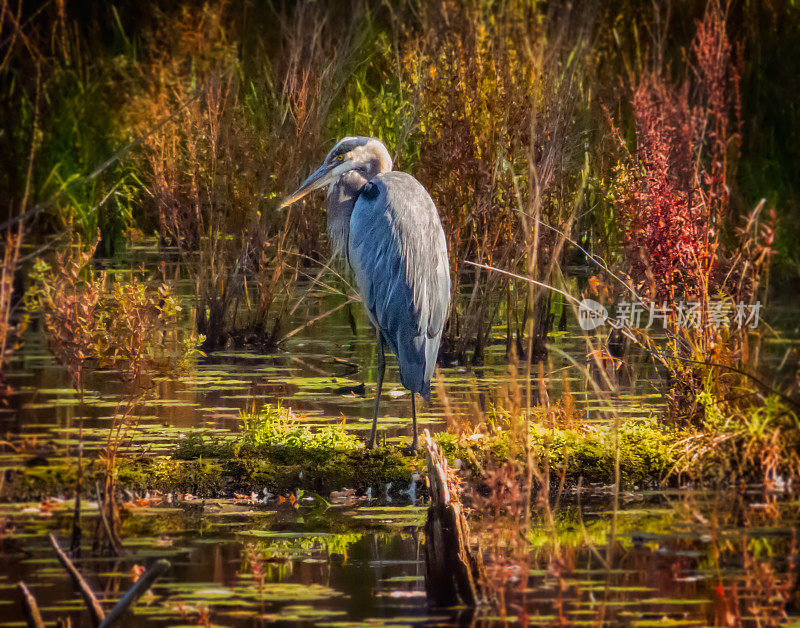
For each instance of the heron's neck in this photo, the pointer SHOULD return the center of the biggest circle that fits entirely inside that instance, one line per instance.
(342, 198)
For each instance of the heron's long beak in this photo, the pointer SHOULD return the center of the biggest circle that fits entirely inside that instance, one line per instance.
(318, 179)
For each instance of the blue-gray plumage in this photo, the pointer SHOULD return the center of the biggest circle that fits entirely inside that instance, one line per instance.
(398, 253)
(387, 227)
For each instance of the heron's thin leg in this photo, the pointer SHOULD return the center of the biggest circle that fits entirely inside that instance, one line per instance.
(381, 366)
(413, 423)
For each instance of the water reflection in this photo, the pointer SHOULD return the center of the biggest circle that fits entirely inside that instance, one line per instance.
(673, 558)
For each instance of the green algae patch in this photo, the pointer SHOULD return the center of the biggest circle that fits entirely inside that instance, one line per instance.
(405, 516)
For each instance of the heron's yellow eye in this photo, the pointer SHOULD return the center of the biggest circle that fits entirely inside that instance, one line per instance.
(340, 158)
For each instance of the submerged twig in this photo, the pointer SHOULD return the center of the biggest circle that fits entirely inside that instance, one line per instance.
(95, 609)
(30, 607)
(310, 322)
(112, 538)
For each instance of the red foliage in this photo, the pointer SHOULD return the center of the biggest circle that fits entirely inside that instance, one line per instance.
(673, 186)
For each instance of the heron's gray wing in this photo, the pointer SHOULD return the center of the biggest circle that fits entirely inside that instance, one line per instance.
(398, 252)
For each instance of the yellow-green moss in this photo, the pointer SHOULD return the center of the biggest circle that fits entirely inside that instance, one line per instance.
(646, 452)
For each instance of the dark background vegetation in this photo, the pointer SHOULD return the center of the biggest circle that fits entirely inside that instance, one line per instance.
(83, 51)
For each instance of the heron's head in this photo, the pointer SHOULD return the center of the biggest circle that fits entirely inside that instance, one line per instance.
(363, 155)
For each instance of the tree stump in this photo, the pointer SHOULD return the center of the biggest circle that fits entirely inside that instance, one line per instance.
(453, 574)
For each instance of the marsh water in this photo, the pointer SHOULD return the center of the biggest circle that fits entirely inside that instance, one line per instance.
(676, 557)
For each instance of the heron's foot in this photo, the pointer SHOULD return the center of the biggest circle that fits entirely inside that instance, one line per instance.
(409, 450)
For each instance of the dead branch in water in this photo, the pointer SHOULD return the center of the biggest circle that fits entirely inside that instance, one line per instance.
(139, 588)
(95, 609)
(99, 618)
(30, 607)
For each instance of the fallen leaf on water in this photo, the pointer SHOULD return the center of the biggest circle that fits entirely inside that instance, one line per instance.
(136, 572)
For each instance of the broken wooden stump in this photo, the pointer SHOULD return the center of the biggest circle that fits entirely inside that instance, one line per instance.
(453, 574)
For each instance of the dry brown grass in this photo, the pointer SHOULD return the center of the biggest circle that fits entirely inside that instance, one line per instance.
(495, 98)
(216, 174)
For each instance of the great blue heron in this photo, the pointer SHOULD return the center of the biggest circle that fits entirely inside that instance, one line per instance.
(387, 227)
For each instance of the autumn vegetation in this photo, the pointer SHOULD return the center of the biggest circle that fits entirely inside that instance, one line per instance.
(625, 153)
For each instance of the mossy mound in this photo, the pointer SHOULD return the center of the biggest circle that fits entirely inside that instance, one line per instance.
(212, 470)
(273, 452)
(647, 453)
(281, 467)
(290, 457)
(276, 453)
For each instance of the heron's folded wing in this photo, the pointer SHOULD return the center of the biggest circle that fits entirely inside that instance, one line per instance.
(398, 252)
